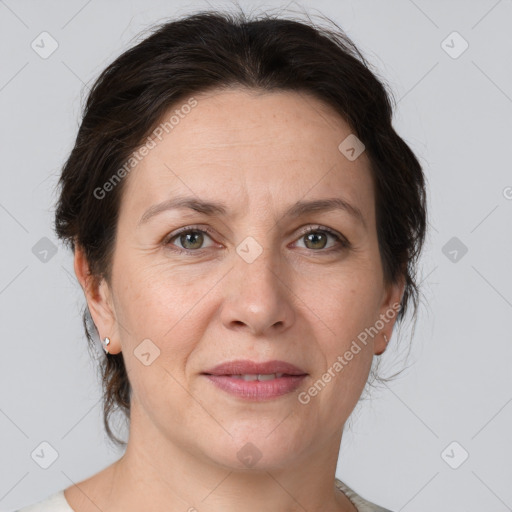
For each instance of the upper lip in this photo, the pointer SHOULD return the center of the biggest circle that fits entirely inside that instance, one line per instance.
(246, 367)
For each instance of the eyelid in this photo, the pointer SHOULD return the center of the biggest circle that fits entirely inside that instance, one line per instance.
(342, 240)
(186, 229)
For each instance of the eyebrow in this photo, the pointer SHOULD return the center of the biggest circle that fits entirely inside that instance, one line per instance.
(212, 208)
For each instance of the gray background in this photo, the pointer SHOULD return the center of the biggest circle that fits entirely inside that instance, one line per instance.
(456, 115)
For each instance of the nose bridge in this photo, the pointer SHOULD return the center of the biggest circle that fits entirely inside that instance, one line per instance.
(257, 263)
(257, 266)
(258, 297)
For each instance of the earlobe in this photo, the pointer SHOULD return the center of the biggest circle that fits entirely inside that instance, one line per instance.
(380, 351)
(97, 294)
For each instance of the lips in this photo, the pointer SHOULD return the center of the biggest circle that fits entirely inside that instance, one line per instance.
(249, 380)
(252, 368)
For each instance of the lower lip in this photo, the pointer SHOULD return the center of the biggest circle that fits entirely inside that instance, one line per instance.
(257, 390)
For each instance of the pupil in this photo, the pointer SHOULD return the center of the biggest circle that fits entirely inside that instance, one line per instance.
(193, 235)
(314, 237)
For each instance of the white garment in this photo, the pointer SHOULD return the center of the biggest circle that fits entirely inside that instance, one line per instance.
(58, 503)
(55, 503)
(360, 503)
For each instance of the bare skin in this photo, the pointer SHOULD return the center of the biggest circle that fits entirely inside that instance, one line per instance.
(301, 300)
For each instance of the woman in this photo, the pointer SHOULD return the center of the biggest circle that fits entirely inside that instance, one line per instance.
(245, 225)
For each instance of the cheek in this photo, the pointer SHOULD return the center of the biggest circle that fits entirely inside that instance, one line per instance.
(347, 304)
(334, 392)
(163, 305)
(153, 297)
(347, 308)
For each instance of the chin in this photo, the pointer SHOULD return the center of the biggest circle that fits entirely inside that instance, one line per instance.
(263, 449)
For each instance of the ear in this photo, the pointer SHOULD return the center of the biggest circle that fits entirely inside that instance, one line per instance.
(390, 306)
(99, 300)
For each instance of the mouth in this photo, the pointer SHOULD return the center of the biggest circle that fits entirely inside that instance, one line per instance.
(256, 381)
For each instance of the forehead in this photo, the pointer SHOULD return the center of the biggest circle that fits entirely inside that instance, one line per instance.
(251, 146)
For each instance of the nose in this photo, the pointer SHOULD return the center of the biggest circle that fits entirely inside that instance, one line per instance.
(258, 298)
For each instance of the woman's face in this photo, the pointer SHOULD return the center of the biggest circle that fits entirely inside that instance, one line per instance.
(255, 286)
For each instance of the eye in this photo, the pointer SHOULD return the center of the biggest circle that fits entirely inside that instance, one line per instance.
(316, 238)
(190, 238)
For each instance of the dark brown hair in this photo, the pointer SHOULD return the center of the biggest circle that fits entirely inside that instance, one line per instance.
(213, 50)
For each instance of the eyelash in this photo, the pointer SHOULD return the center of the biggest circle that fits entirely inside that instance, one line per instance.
(344, 243)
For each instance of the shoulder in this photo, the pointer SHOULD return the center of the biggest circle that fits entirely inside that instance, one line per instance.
(53, 503)
(361, 504)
